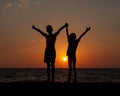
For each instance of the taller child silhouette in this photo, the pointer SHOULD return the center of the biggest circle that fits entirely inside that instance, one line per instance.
(71, 51)
(50, 52)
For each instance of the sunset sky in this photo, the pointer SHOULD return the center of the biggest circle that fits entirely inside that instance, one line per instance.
(23, 47)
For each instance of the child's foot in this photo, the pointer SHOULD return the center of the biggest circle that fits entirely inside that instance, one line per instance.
(75, 81)
(53, 81)
(47, 80)
(68, 81)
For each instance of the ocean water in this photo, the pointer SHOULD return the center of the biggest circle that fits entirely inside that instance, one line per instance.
(38, 75)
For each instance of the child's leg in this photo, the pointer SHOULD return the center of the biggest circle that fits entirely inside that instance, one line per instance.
(70, 68)
(74, 69)
(48, 71)
(53, 70)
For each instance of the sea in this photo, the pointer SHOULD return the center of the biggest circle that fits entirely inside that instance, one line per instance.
(89, 75)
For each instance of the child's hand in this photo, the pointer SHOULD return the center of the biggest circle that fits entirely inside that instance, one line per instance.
(88, 28)
(66, 24)
(33, 26)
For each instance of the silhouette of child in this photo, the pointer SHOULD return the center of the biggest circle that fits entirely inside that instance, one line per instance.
(50, 52)
(71, 51)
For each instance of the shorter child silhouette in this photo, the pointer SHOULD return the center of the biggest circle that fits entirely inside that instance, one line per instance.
(71, 51)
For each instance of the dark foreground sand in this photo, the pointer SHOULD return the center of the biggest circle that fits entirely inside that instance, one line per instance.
(57, 88)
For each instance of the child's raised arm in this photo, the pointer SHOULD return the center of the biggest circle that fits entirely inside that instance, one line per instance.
(60, 29)
(40, 31)
(87, 29)
(67, 30)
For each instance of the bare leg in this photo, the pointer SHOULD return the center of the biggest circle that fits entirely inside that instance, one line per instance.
(74, 69)
(48, 72)
(53, 71)
(70, 68)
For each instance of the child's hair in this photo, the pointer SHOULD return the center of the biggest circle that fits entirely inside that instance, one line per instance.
(72, 36)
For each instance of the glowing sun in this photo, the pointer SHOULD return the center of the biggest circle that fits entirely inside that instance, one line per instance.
(64, 58)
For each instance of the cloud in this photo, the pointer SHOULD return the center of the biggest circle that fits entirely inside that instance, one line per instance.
(9, 5)
(23, 3)
(37, 3)
(19, 4)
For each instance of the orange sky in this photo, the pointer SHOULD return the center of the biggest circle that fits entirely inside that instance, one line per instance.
(20, 46)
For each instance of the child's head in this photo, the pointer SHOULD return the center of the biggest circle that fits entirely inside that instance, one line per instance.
(72, 36)
(49, 29)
